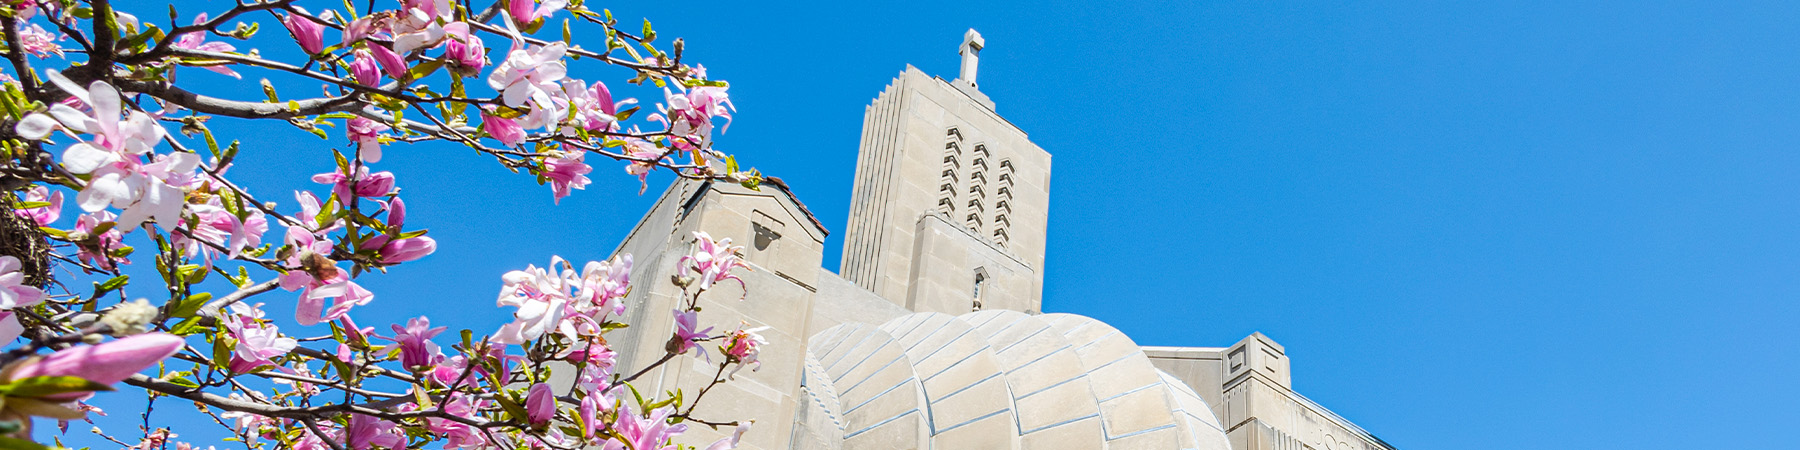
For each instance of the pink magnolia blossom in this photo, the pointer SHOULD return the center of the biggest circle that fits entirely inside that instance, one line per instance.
(222, 228)
(363, 68)
(390, 62)
(588, 416)
(39, 42)
(257, 343)
(731, 442)
(119, 176)
(42, 215)
(594, 108)
(308, 266)
(320, 281)
(197, 41)
(378, 184)
(603, 285)
(155, 440)
(566, 173)
(98, 250)
(464, 50)
(686, 323)
(309, 34)
(744, 346)
(689, 115)
(456, 434)
(530, 73)
(507, 131)
(105, 363)
(541, 297)
(365, 432)
(149, 192)
(113, 138)
(10, 328)
(309, 214)
(598, 365)
(24, 9)
(418, 25)
(251, 424)
(368, 26)
(644, 157)
(712, 260)
(647, 433)
(340, 294)
(540, 404)
(391, 247)
(14, 294)
(367, 135)
(416, 348)
(449, 371)
(526, 12)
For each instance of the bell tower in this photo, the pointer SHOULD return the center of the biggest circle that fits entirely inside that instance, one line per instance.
(951, 204)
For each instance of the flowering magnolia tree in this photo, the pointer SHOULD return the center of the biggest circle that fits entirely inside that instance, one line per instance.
(100, 103)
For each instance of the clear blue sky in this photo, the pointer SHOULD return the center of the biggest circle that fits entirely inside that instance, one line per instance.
(1473, 225)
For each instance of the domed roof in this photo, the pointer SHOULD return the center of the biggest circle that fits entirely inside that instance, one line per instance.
(994, 379)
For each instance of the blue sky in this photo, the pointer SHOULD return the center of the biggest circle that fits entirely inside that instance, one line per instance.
(1473, 225)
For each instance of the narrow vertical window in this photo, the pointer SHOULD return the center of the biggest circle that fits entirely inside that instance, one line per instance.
(979, 279)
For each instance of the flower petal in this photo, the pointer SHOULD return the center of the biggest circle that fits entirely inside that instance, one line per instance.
(36, 126)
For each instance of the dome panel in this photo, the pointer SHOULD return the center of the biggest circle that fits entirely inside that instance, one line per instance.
(994, 379)
(881, 399)
(1046, 378)
(965, 390)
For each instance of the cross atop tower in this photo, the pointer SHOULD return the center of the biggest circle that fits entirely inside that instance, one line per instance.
(971, 56)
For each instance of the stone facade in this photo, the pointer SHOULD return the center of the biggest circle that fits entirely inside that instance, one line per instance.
(933, 337)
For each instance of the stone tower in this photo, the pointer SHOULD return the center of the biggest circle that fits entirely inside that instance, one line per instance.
(951, 201)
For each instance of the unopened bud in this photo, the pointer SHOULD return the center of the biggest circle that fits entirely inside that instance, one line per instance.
(130, 318)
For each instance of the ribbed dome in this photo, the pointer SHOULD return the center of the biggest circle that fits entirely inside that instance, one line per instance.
(994, 380)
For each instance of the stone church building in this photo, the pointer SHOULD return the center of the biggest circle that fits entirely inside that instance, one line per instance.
(932, 335)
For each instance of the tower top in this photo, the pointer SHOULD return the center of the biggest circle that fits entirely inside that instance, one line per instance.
(971, 55)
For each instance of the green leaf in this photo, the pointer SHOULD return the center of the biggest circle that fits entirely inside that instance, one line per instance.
(7, 443)
(140, 39)
(115, 282)
(110, 285)
(181, 379)
(51, 385)
(512, 408)
(424, 69)
(649, 34)
(29, 205)
(626, 114)
(221, 352)
(190, 326)
(192, 273)
(191, 305)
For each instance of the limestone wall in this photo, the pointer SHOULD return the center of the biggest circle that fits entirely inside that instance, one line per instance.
(928, 149)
